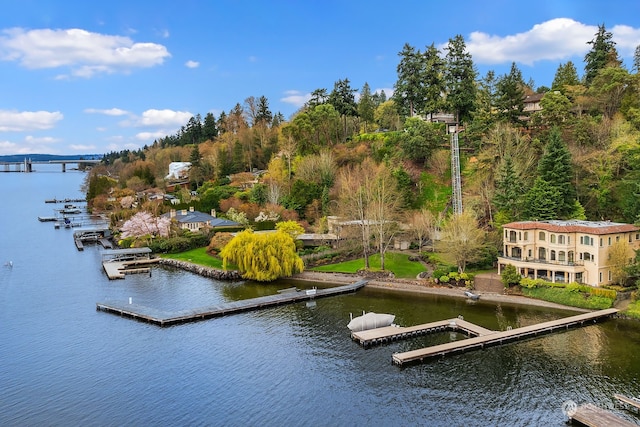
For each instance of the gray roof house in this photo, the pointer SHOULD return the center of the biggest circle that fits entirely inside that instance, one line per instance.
(195, 221)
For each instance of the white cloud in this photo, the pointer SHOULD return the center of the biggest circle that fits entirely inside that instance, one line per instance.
(40, 140)
(83, 52)
(192, 64)
(626, 38)
(296, 98)
(108, 112)
(149, 136)
(556, 39)
(19, 121)
(30, 145)
(82, 148)
(164, 118)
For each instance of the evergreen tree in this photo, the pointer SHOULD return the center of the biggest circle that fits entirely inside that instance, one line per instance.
(209, 129)
(433, 80)
(566, 75)
(510, 95)
(555, 169)
(366, 106)
(509, 190)
(318, 97)
(542, 201)
(409, 93)
(636, 60)
(459, 79)
(263, 115)
(596, 59)
(343, 100)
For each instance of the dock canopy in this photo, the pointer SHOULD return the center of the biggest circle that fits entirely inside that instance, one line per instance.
(119, 254)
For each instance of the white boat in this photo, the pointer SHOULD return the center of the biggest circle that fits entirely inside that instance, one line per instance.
(471, 295)
(370, 321)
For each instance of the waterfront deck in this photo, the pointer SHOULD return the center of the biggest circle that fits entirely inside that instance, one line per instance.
(498, 338)
(392, 333)
(164, 318)
(592, 416)
(118, 269)
(628, 400)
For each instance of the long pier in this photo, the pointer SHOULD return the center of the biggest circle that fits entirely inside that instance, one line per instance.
(163, 318)
(387, 334)
(498, 337)
(593, 416)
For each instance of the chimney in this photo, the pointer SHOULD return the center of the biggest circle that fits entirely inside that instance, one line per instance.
(184, 212)
(213, 213)
(190, 208)
(173, 213)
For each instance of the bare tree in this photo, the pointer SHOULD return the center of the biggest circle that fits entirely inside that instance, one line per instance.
(462, 239)
(354, 185)
(383, 210)
(423, 225)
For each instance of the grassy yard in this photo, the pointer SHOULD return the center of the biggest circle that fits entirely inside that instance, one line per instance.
(197, 256)
(633, 310)
(569, 298)
(398, 263)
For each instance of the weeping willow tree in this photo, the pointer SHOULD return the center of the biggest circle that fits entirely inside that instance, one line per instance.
(263, 256)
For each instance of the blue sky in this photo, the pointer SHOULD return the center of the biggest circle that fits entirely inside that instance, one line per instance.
(99, 76)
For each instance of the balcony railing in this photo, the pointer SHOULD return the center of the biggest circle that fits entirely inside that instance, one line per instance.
(545, 261)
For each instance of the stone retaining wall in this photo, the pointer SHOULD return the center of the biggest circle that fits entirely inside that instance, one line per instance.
(202, 270)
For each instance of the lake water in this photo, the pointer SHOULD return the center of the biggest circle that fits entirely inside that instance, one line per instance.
(64, 363)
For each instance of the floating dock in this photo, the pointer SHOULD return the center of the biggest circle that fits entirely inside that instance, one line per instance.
(387, 334)
(592, 416)
(628, 400)
(498, 338)
(163, 318)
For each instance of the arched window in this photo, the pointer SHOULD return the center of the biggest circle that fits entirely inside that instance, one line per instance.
(541, 235)
(553, 256)
(542, 254)
(561, 256)
(552, 238)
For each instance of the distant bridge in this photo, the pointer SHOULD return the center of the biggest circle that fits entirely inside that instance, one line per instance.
(27, 164)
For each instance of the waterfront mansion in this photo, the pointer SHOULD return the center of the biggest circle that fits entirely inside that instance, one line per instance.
(565, 251)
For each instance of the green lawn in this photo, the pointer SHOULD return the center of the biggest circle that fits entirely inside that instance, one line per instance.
(399, 264)
(197, 256)
(633, 310)
(567, 297)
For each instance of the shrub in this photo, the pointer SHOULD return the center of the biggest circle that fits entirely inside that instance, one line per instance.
(444, 279)
(510, 276)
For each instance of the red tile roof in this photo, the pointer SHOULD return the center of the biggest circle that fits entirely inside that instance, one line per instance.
(574, 226)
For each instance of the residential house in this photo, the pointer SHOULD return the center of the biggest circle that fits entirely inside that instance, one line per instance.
(196, 221)
(565, 251)
(532, 103)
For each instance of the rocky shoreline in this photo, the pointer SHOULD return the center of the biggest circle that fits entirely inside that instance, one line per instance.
(407, 285)
(389, 283)
(201, 270)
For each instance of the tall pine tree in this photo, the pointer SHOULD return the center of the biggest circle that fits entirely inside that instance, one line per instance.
(459, 79)
(602, 47)
(555, 169)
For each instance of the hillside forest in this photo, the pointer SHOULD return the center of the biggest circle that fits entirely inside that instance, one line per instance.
(351, 153)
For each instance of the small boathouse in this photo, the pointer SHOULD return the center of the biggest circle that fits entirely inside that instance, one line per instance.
(118, 262)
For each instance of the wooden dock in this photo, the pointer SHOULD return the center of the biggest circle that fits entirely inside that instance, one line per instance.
(592, 416)
(163, 318)
(118, 269)
(498, 338)
(628, 400)
(392, 333)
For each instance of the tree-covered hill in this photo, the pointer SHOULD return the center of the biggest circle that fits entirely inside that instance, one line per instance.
(568, 151)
